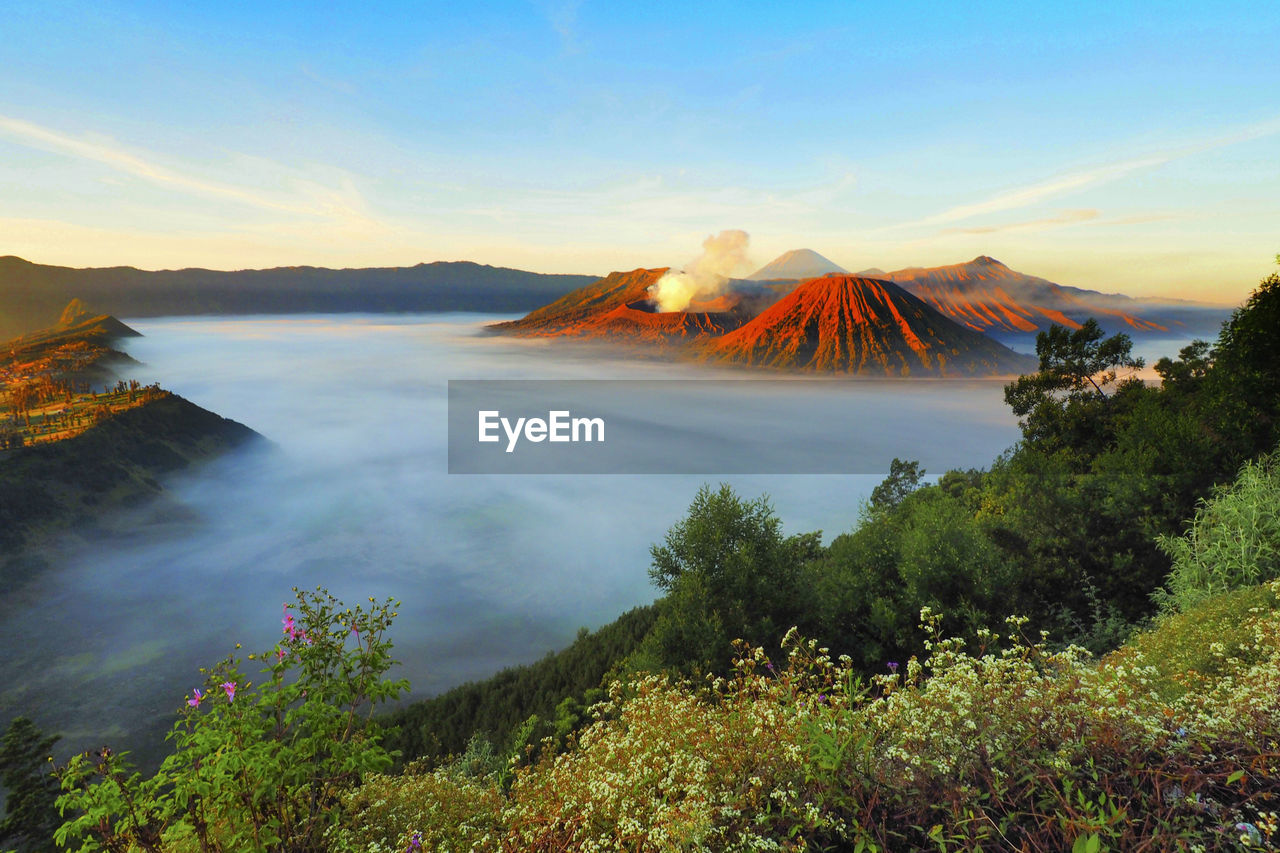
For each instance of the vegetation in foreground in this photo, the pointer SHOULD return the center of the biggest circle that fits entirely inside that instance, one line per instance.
(1105, 516)
(1007, 745)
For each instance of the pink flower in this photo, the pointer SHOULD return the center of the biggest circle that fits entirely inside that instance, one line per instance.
(280, 654)
(230, 687)
(195, 702)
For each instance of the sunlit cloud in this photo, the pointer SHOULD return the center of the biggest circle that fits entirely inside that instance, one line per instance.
(1067, 217)
(1036, 193)
(329, 204)
(1033, 194)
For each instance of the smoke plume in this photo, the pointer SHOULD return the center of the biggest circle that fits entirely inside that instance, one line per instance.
(706, 275)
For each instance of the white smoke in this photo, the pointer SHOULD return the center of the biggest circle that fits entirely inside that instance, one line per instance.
(706, 275)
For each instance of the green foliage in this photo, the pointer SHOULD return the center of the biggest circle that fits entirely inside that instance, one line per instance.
(1189, 651)
(254, 767)
(1003, 744)
(1186, 374)
(30, 816)
(1233, 541)
(904, 478)
(729, 574)
(926, 550)
(1244, 387)
(1062, 402)
(445, 725)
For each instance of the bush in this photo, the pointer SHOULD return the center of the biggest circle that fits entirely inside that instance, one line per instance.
(1189, 652)
(1233, 541)
(254, 767)
(444, 810)
(1009, 746)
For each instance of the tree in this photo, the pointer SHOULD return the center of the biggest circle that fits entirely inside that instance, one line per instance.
(1066, 403)
(729, 574)
(30, 815)
(904, 478)
(1184, 376)
(1245, 380)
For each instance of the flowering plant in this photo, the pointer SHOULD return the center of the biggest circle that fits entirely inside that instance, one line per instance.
(254, 766)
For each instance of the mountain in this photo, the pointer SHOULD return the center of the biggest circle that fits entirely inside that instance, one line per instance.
(73, 454)
(79, 349)
(31, 295)
(582, 307)
(72, 488)
(847, 324)
(75, 326)
(796, 265)
(986, 295)
(73, 313)
(618, 308)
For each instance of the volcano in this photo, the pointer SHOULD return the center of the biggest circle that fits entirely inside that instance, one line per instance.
(619, 307)
(987, 296)
(796, 265)
(849, 324)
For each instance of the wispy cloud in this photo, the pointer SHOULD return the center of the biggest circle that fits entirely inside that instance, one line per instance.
(328, 204)
(1033, 194)
(563, 17)
(1067, 217)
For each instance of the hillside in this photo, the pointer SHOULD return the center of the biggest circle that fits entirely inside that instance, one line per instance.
(579, 309)
(102, 329)
(118, 462)
(70, 451)
(846, 324)
(32, 295)
(985, 295)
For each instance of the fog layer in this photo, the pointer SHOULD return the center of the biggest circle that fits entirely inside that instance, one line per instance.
(353, 494)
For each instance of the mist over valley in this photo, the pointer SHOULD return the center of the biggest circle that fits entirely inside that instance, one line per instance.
(351, 491)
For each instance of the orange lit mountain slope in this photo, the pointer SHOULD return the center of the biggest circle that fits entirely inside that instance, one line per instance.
(580, 308)
(618, 308)
(986, 295)
(847, 324)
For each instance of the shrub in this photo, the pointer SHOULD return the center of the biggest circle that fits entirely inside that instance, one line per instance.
(1007, 746)
(1190, 650)
(444, 810)
(254, 767)
(1233, 541)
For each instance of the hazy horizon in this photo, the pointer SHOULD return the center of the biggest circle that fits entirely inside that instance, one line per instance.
(1151, 297)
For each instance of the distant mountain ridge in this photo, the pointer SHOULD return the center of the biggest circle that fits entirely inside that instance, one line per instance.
(32, 295)
(986, 295)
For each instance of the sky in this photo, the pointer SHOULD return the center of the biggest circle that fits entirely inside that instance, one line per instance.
(1118, 146)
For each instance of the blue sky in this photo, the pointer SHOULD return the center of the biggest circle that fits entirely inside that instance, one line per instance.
(1120, 146)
